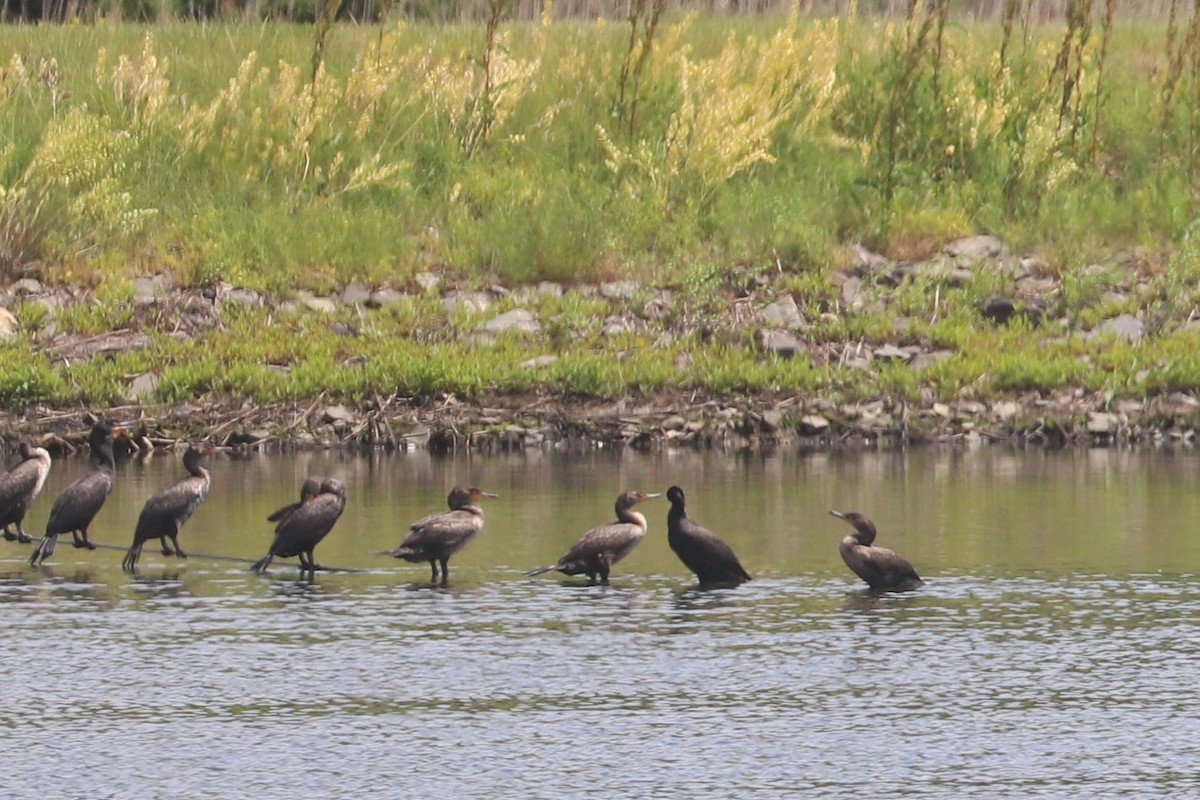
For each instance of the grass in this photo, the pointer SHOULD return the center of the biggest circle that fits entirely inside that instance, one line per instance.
(747, 156)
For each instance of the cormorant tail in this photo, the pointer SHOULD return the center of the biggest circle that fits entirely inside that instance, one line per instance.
(541, 570)
(44, 549)
(261, 565)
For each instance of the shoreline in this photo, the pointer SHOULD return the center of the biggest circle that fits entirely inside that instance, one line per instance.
(508, 424)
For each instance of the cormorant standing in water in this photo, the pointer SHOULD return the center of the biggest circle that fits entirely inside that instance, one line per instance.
(19, 487)
(303, 527)
(308, 490)
(164, 513)
(598, 549)
(701, 550)
(882, 569)
(438, 536)
(77, 505)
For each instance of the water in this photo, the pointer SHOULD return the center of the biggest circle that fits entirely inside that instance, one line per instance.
(1053, 652)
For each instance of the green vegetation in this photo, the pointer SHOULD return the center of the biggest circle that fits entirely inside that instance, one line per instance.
(730, 161)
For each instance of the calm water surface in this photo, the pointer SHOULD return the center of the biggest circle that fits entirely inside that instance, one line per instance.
(1053, 653)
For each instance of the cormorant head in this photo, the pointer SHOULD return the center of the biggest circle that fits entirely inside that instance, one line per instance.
(864, 529)
(632, 498)
(462, 496)
(333, 486)
(313, 485)
(675, 495)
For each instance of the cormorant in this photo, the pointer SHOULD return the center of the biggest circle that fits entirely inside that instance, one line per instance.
(598, 549)
(19, 487)
(164, 513)
(303, 527)
(308, 490)
(882, 569)
(701, 550)
(438, 536)
(77, 505)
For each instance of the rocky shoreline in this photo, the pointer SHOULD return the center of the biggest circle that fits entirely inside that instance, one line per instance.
(755, 302)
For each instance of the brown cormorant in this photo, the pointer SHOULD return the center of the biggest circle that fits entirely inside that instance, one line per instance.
(19, 487)
(303, 527)
(164, 513)
(438, 536)
(598, 549)
(308, 490)
(882, 569)
(77, 505)
(701, 550)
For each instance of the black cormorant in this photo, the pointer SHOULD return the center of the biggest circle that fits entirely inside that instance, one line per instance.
(164, 513)
(438, 536)
(19, 487)
(598, 549)
(308, 490)
(882, 569)
(701, 550)
(77, 505)
(302, 529)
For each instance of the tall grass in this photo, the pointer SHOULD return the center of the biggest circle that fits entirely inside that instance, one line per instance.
(583, 150)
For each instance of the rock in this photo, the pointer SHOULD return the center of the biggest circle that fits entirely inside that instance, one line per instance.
(619, 290)
(1125, 326)
(27, 286)
(616, 325)
(518, 320)
(336, 414)
(868, 263)
(772, 420)
(381, 298)
(1102, 423)
(925, 360)
(550, 289)
(972, 250)
(242, 297)
(472, 302)
(812, 425)
(941, 269)
(539, 362)
(143, 387)
(940, 410)
(674, 423)
(659, 304)
(852, 294)
(150, 290)
(10, 327)
(782, 343)
(889, 352)
(1005, 410)
(355, 294)
(782, 313)
(322, 305)
(427, 281)
(997, 309)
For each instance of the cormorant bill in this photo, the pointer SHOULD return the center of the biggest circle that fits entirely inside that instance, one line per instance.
(701, 550)
(438, 536)
(302, 529)
(77, 505)
(882, 569)
(164, 513)
(19, 487)
(308, 490)
(598, 549)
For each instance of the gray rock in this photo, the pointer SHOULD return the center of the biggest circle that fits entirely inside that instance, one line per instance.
(242, 297)
(942, 269)
(518, 320)
(473, 302)
(322, 305)
(868, 263)
(550, 289)
(143, 388)
(427, 281)
(619, 290)
(10, 327)
(783, 343)
(812, 425)
(147, 290)
(539, 362)
(674, 423)
(1101, 422)
(381, 298)
(1005, 410)
(27, 286)
(852, 294)
(782, 313)
(338, 413)
(889, 352)
(772, 420)
(1125, 326)
(925, 360)
(972, 250)
(355, 294)
(616, 325)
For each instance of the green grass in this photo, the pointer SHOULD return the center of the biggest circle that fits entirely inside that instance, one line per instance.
(757, 156)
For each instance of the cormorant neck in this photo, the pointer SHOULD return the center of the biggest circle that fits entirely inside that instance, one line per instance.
(632, 517)
(104, 457)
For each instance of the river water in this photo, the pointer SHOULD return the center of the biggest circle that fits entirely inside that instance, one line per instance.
(1054, 651)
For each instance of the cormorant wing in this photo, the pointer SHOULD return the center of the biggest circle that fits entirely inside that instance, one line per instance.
(78, 504)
